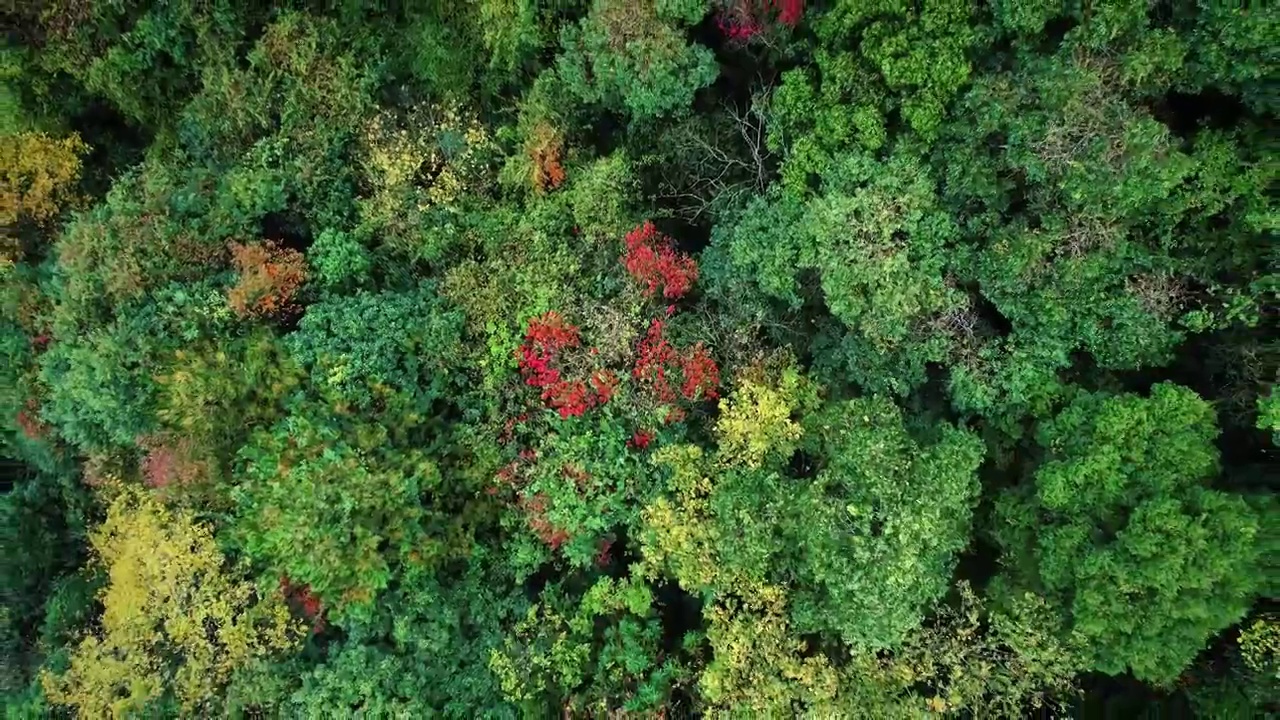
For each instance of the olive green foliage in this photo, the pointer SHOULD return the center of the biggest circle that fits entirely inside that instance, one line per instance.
(638, 358)
(550, 650)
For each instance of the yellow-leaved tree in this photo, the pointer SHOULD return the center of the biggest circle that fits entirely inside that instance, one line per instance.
(176, 624)
(38, 176)
(755, 422)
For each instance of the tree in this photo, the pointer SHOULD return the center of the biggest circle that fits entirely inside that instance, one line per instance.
(758, 663)
(883, 523)
(335, 515)
(554, 659)
(871, 60)
(39, 178)
(875, 242)
(270, 276)
(624, 56)
(755, 422)
(176, 621)
(869, 542)
(1124, 537)
(373, 346)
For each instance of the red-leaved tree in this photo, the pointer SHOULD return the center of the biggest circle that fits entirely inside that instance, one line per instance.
(651, 258)
(270, 277)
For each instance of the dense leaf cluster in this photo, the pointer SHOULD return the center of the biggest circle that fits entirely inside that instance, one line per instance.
(639, 358)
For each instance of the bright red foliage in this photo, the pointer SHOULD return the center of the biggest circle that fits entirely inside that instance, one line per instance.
(604, 383)
(544, 339)
(701, 376)
(789, 11)
(653, 261)
(655, 360)
(302, 600)
(744, 19)
(640, 440)
(659, 364)
(570, 397)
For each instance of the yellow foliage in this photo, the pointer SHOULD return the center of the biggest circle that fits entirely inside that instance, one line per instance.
(758, 669)
(755, 419)
(433, 157)
(1260, 646)
(173, 620)
(37, 175)
(678, 539)
(37, 179)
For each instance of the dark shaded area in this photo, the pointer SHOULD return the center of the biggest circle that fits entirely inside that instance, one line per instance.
(289, 229)
(690, 237)
(681, 614)
(802, 466)
(1055, 31)
(115, 145)
(1124, 698)
(12, 472)
(990, 316)
(1186, 114)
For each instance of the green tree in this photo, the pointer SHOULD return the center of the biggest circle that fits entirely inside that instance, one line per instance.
(335, 514)
(378, 345)
(625, 57)
(1121, 533)
(868, 544)
(875, 241)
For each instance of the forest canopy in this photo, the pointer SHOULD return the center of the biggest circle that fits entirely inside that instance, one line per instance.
(639, 358)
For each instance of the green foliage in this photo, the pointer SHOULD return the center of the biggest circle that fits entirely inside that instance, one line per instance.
(885, 430)
(625, 57)
(338, 260)
(42, 532)
(869, 543)
(875, 242)
(883, 523)
(373, 345)
(1269, 414)
(552, 651)
(1121, 530)
(332, 515)
(872, 59)
(585, 483)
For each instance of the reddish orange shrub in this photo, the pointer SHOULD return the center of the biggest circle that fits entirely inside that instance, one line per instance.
(546, 151)
(270, 277)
